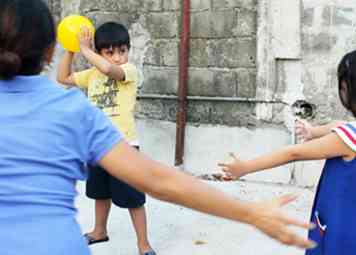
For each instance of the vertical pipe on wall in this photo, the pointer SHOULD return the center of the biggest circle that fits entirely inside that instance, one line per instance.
(183, 83)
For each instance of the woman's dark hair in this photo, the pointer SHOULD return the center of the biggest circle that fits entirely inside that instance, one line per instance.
(111, 34)
(346, 74)
(26, 33)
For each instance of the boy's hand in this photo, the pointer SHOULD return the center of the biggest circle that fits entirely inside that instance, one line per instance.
(303, 130)
(268, 218)
(85, 38)
(234, 169)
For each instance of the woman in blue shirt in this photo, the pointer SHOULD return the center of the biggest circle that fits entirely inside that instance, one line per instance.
(49, 135)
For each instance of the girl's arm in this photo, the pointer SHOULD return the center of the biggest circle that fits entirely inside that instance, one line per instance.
(305, 131)
(328, 146)
(168, 184)
(64, 73)
(104, 66)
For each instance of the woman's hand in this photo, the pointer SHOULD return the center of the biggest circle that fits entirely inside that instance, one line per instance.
(269, 219)
(234, 169)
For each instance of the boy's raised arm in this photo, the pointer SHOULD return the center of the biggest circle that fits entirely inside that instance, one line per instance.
(85, 38)
(64, 73)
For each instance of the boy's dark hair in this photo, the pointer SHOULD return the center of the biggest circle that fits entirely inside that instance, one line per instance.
(346, 74)
(26, 33)
(111, 34)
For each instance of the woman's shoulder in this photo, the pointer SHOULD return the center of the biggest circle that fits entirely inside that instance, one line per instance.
(69, 99)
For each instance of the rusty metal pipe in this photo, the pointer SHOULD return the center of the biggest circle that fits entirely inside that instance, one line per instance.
(183, 84)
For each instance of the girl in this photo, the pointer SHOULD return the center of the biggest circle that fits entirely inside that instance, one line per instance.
(49, 135)
(335, 204)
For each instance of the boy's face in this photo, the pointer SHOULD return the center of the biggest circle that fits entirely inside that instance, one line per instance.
(116, 55)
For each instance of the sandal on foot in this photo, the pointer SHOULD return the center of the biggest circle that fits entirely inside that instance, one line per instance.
(91, 240)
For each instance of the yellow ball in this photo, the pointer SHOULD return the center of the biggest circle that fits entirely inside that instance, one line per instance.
(68, 30)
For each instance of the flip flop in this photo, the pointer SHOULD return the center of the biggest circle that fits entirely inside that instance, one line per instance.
(150, 252)
(91, 240)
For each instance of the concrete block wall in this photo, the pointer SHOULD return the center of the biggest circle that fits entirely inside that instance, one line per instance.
(222, 57)
(250, 60)
(328, 33)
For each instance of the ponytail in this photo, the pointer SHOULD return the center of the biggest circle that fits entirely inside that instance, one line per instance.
(26, 33)
(10, 64)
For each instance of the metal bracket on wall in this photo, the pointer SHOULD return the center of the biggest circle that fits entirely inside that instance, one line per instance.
(216, 99)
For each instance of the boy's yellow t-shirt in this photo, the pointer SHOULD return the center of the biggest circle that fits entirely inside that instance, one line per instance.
(116, 98)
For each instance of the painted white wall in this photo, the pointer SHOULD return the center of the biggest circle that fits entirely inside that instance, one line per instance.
(205, 146)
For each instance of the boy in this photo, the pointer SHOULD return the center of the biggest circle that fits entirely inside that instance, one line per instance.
(112, 86)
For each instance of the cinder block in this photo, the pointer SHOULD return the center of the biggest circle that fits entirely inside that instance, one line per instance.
(162, 53)
(158, 80)
(153, 53)
(196, 5)
(246, 83)
(224, 4)
(224, 53)
(200, 82)
(162, 25)
(200, 24)
(199, 112)
(222, 23)
(152, 5)
(198, 56)
(170, 53)
(99, 18)
(207, 82)
(102, 5)
(171, 5)
(213, 24)
(246, 23)
(246, 53)
(225, 83)
(150, 109)
(235, 114)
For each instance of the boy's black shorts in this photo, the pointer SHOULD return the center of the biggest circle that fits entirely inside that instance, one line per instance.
(101, 185)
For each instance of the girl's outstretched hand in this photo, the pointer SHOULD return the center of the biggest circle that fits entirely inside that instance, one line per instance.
(234, 169)
(303, 130)
(271, 221)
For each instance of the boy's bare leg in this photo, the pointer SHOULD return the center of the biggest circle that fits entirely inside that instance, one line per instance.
(102, 209)
(138, 217)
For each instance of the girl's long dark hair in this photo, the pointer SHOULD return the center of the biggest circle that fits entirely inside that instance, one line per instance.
(27, 32)
(346, 74)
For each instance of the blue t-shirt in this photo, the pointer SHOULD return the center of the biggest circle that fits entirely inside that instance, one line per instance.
(48, 135)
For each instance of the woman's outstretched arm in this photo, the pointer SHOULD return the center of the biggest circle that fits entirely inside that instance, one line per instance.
(168, 184)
